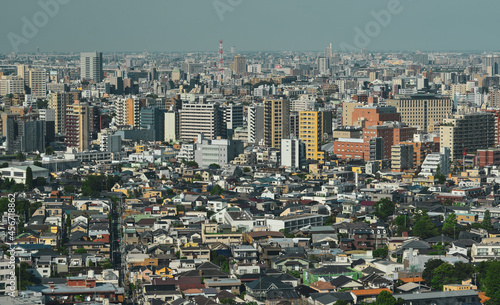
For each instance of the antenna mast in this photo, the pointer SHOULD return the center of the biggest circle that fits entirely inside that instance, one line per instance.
(221, 56)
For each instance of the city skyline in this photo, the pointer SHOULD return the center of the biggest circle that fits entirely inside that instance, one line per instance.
(172, 27)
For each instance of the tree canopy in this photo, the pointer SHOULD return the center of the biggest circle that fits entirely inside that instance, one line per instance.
(384, 208)
(487, 221)
(450, 225)
(423, 226)
(216, 190)
(386, 298)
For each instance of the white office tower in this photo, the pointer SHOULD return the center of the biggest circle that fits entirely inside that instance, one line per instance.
(432, 161)
(91, 66)
(293, 153)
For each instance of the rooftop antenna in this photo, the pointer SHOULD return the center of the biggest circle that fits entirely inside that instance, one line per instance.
(221, 55)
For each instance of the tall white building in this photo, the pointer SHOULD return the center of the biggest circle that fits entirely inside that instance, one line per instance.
(201, 118)
(91, 66)
(432, 161)
(255, 124)
(171, 126)
(323, 65)
(293, 153)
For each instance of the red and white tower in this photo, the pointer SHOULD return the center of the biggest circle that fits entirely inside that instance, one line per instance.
(221, 56)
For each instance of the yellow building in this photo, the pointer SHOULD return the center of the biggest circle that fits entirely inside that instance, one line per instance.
(466, 285)
(132, 112)
(466, 217)
(357, 169)
(139, 149)
(164, 272)
(311, 133)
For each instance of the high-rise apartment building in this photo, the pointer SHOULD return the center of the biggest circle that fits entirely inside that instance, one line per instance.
(91, 66)
(401, 157)
(239, 65)
(255, 124)
(77, 126)
(127, 112)
(37, 82)
(201, 118)
(311, 133)
(466, 133)
(58, 102)
(424, 112)
(11, 85)
(494, 99)
(276, 122)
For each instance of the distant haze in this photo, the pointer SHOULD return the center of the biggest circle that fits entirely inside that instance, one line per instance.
(249, 25)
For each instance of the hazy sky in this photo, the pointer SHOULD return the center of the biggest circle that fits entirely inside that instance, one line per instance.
(196, 25)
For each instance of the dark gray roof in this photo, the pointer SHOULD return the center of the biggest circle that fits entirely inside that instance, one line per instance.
(331, 270)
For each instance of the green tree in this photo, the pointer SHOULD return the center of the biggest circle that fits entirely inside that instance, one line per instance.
(49, 151)
(214, 166)
(341, 302)
(180, 208)
(106, 264)
(38, 163)
(386, 298)
(192, 164)
(70, 189)
(26, 278)
(450, 225)
(402, 222)
(443, 275)
(227, 301)
(487, 221)
(381, 252)
(424, 228)
(247, 169)
(42, 104)
(29, 179)
(491, 280)
(80, 251)
(111, 180)
(216, 190)
(429, 267)
(384, 208)
(93, 185)
(20, 156)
